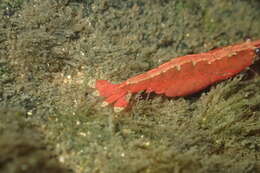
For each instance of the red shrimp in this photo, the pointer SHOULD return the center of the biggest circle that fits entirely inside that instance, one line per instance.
(184, 75)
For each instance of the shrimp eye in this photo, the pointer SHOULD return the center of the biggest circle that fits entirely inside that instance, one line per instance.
(257, 51)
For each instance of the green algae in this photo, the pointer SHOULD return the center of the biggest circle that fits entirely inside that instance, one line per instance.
(51, 50)
(21, 146)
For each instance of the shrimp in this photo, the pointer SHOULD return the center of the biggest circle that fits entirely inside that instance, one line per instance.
(184, 75)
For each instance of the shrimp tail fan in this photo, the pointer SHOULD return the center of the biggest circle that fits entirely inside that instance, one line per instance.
(113, 93)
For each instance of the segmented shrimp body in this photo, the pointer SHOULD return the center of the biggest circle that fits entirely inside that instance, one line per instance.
(184, 75)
